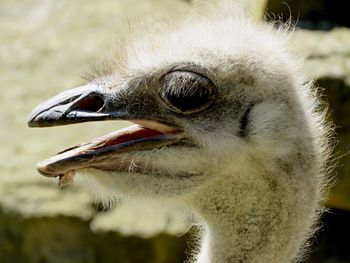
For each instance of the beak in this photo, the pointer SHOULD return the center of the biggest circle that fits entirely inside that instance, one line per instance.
(92, 103)
(82, 104)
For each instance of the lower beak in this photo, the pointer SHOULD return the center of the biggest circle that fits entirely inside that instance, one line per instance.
(88, 103)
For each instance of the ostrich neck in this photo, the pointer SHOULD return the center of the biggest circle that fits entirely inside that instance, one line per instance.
(252, 220)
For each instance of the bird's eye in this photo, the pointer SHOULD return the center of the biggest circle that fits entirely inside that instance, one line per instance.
(187, 92)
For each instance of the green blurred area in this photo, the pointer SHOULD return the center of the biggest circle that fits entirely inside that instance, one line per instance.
(45, 46)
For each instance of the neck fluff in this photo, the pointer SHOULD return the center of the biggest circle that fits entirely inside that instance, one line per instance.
(255, 217)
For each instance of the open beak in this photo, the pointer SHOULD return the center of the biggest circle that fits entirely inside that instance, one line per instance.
(91, 103)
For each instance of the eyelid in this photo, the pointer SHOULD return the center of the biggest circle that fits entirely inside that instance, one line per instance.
(197, 69)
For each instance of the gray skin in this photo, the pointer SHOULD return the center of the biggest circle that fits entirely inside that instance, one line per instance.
(247, 160)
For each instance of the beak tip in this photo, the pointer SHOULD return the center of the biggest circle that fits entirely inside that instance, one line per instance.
(42, 117)
(32, 124)
(31, 121)
(43, 169)
(34, 116)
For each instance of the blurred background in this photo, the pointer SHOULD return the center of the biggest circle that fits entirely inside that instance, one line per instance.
(45, 47)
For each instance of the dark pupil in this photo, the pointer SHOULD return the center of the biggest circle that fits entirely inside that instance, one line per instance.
(186, 91)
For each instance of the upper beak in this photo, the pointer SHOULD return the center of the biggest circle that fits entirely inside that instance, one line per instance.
(85, 103)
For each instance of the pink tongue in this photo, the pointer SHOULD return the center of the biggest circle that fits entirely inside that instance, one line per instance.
(131, 134)
(143, 129)
(127, 134)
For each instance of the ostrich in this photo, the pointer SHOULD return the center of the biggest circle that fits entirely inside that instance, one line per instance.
(227, 128)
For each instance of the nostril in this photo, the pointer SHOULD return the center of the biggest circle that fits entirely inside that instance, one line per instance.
(91, 103)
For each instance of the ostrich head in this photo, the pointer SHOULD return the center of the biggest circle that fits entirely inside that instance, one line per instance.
(225, 127)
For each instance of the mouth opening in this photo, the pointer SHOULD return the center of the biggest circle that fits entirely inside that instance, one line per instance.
(144, 135)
